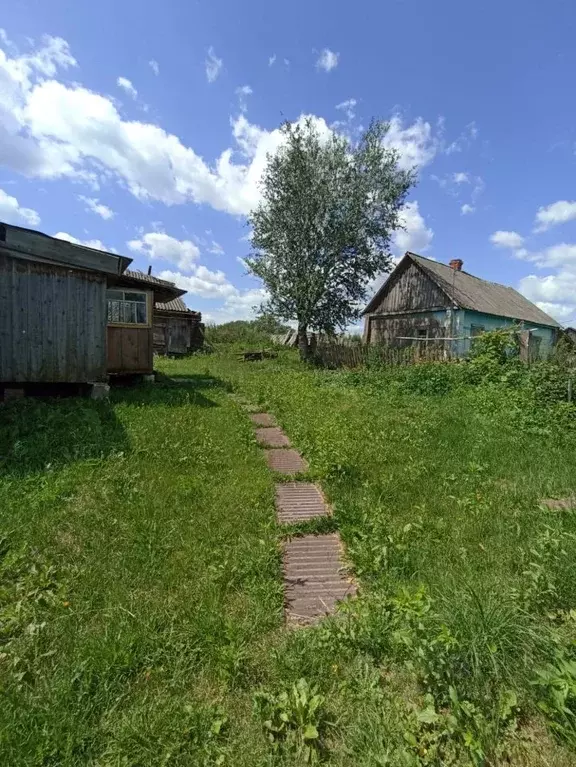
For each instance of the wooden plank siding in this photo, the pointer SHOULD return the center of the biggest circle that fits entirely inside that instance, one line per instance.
(130, 349)
(52, 322)
(410, 290)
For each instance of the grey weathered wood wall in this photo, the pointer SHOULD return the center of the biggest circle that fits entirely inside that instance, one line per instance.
(412, 290)
(52, 322)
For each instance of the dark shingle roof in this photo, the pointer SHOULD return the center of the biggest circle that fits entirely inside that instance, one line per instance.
(479, 295)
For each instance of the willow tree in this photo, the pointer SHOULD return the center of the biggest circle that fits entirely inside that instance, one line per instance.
(323, 228)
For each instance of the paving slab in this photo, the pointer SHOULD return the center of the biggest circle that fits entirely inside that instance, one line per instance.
(560, 504)
(299, 502)
(314, 578)
(272, 437)
(263, 419)
(286, 461)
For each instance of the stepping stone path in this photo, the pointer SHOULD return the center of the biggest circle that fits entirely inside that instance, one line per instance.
(314, 577)
(560, 504)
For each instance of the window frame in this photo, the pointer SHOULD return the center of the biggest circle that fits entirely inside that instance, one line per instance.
(477, 330)
(149, 307)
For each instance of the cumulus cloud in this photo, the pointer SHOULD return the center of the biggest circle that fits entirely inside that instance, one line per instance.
(202, 282)
(95, 206)
(158, 245)
(97, 244)
(327, 60)
(11, 212)
(415, 144)
(213, 65)
(154, 66)
(126, 85)
(504, 239)
(557, 213)
(272, 60)
(415, 236)
(49, 129)
(467, 209)
(555, 292)
(460, 178)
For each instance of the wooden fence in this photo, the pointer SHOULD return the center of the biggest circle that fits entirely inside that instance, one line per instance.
(357, 355)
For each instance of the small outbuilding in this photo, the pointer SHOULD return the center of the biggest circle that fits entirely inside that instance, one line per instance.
(440, 306)
(70, 314)
(177, 329)
(53, 308)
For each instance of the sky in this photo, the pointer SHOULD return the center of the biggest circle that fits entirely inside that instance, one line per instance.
(144, 128)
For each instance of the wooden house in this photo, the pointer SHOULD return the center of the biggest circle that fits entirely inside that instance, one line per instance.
(429, 303)
(177, 329)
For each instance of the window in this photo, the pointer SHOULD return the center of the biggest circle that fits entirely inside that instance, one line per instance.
(476, 330)
(127, 307)
(422, 333)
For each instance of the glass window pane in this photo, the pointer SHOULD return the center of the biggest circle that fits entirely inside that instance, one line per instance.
(115, 294)
(141, 297)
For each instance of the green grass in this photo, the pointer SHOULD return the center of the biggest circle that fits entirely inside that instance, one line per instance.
(140, 583)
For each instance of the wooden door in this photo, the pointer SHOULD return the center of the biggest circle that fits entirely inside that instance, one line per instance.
(178, 336)
(130, 349)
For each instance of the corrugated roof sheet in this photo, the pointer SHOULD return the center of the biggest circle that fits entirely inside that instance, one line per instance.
(176, 305)
(137, 275)
(471, 292)
(479, 295)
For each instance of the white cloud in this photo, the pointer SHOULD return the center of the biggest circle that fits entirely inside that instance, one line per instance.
(557, 213)
(52, 130)
(97, 244)
(154, 66)
(97, 207)
(327, 60)
(182, 253)
(503, 239)
(466, 209)
(202, 282)
(414, 143)
(213, 65)
(464, 140)
(460, 178)
(415, 236)
(126, 85)
(243, 92)
(11, 212)
(242, 305)
(348, 107)
(272, 60)
(215, 248)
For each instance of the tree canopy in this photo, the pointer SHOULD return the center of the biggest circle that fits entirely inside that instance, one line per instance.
(323, 228)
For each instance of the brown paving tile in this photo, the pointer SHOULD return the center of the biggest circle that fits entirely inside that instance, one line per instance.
(263, 419)
(272, 437)
(560, 504)
(314, 578)
(286, 461)
(299, 502)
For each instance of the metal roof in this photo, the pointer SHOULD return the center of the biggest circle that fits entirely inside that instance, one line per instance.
(176, 305)
(163, 289)
(469, 292)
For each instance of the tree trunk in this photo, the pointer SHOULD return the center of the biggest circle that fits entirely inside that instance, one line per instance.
(303, 347)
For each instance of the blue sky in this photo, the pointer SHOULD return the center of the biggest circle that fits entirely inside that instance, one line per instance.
(144, 128)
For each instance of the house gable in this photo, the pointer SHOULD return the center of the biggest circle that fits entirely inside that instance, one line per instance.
(408, 289)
